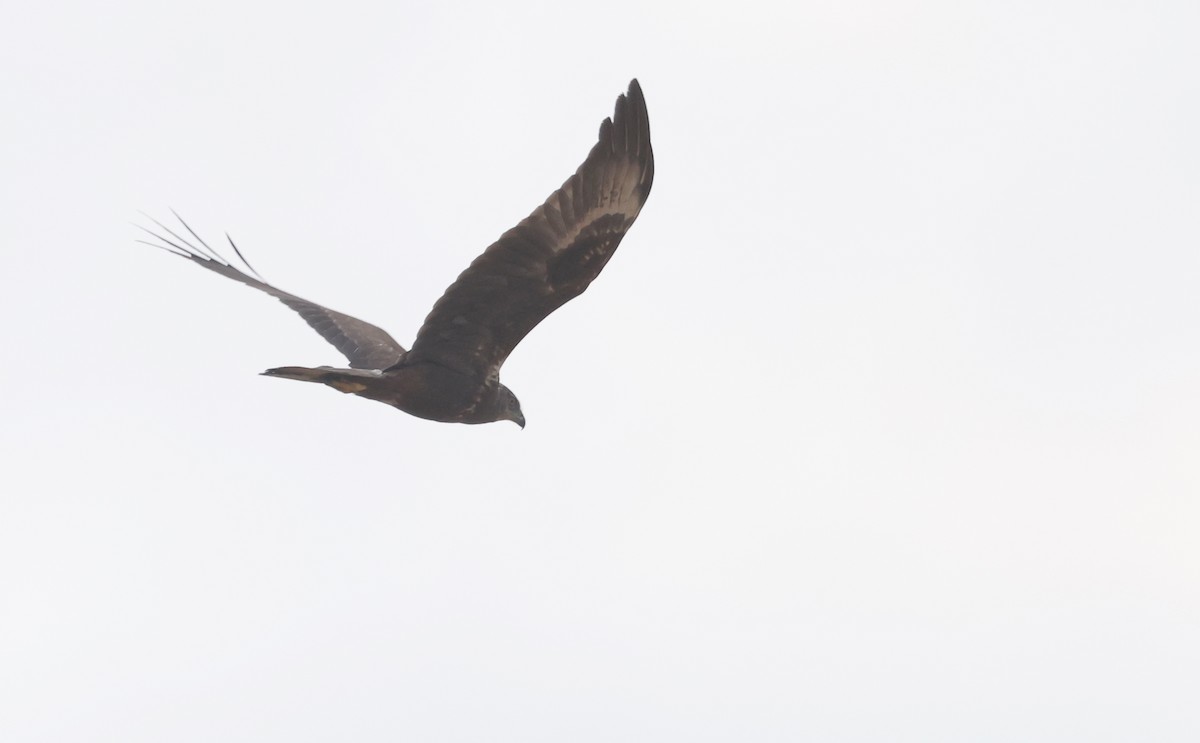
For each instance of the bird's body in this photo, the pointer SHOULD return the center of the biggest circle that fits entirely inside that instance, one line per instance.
(452, 372)
(424, 390)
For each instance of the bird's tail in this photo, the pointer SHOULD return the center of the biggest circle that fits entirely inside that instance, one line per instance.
(300, 373)
(343, 380)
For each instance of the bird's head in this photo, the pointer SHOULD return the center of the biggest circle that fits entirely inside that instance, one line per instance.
(508, 407)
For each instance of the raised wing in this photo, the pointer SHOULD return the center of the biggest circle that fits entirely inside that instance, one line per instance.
(550, 257)
(366, 346)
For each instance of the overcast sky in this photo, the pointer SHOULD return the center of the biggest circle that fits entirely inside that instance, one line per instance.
(880, 426)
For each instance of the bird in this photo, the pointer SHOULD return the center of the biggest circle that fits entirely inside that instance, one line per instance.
(452, 372)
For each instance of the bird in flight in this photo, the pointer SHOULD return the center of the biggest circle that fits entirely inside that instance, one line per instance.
(452, 371)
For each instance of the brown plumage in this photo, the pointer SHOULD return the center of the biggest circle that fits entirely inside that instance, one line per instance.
(452, 372)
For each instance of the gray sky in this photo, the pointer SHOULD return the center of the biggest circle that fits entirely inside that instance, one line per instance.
(881, 424)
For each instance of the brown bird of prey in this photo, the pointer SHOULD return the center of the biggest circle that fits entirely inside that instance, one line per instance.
(452, 372)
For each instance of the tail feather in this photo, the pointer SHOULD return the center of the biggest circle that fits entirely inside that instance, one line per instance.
(300, 373)
(351, 381)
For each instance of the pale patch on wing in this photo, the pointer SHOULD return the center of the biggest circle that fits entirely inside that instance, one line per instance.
(345, 385)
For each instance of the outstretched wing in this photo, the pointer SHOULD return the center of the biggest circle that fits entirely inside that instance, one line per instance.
(550, 257)
(366, 346)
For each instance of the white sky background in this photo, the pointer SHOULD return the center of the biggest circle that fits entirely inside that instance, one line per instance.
(881, 424)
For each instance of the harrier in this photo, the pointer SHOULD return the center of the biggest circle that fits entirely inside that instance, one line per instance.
(452, 371)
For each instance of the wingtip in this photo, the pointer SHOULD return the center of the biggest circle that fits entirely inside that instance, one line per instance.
(635, 95)
(605, 129)
(633, 121)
